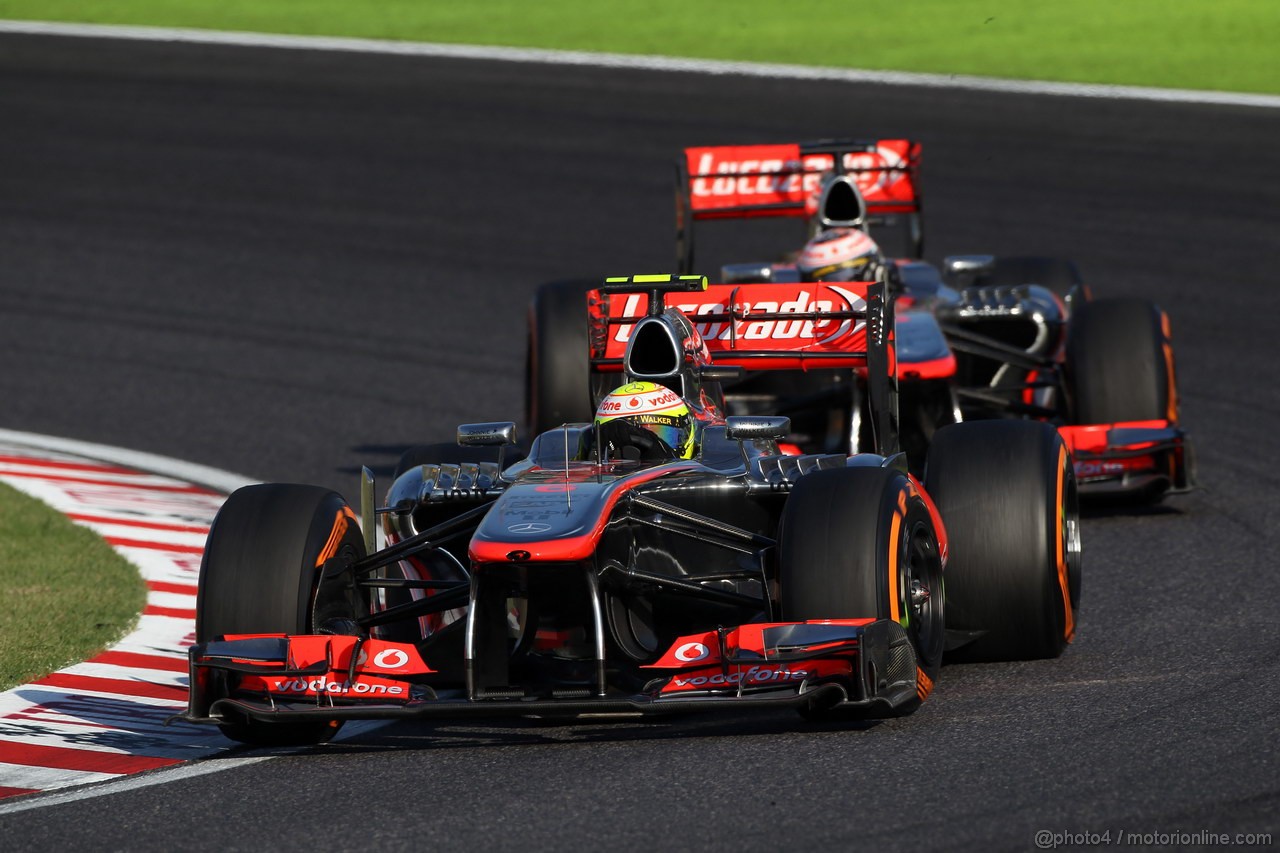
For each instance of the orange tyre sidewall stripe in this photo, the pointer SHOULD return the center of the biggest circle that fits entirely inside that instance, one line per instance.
(335, 539)
(1069, 621)
(1167, 346)
(895, 529)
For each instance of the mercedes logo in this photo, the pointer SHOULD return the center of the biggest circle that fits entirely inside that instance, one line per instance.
(528, 527)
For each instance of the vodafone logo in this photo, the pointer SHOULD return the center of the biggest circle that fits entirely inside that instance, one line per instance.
(386, 659)
(650, 401)
(691, 652)
(324, 685)
(391, 659)
(754, 675)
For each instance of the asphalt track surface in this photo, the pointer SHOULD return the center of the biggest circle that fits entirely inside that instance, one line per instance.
(288, 264)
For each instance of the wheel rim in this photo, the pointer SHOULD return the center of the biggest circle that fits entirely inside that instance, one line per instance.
(922, 593)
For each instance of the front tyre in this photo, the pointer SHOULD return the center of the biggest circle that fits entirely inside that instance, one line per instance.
(858, 543)
(261, 575)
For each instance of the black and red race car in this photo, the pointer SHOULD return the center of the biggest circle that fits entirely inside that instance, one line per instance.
(984, 337)
(591, 576)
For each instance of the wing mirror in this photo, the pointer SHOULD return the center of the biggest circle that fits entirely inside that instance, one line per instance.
(756, 427)
(499, 434)
(970, 266)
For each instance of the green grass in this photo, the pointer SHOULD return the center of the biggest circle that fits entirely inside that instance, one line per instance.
(64, 594)
(1195, 44)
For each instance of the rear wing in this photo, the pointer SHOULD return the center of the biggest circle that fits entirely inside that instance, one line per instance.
(792, 180)
(798, 326)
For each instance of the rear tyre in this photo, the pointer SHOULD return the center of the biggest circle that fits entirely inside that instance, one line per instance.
(1119, 364)
(558, 378)
(1007, 494)
(857, 543)
(260, 575)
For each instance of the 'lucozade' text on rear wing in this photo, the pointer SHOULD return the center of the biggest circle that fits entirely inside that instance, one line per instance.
(835, 182)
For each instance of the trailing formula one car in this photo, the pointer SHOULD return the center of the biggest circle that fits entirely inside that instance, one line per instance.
(985, 337)
(658, 558)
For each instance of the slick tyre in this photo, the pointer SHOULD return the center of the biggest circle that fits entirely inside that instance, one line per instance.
(1119, 364)
(1007, 494)
(260, 575)
(558, 377)
(858, 543)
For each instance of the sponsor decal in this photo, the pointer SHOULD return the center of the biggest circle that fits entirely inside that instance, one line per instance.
(754, 675)
(800, 329)
(452, 493)
(324, 685)
(691, 652)
(1094, 469)
(533, 507)
(528, 527)
(764, 179)
(394, 660)
(391, 659)
(652, 401)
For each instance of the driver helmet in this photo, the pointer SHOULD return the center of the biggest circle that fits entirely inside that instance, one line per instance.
(839, 254)
(634, 415)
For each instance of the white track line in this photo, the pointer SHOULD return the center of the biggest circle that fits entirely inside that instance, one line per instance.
(643, 63)
(222, 481)
(129, 783)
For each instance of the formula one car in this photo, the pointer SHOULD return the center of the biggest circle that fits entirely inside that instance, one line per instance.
(659, 558)
(986, 337)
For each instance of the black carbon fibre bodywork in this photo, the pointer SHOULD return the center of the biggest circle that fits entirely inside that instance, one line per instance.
(575, 578)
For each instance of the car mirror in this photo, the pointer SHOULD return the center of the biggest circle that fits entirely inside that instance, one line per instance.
(968, 265)
(756, 427)
(499, 434)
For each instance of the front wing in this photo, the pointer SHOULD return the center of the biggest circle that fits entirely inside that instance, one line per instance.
(856, 668)
(1130, 459)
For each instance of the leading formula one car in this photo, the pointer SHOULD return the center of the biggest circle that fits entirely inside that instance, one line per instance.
(986, 337)
(618, 570)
